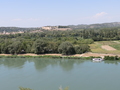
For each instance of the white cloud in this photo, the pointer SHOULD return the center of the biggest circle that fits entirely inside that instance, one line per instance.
(95, 18)
(98, 15)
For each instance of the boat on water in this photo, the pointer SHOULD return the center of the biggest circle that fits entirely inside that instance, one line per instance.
(97, 59)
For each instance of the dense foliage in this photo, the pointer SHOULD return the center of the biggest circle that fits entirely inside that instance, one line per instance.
(40, 46)
(21, 88)
(111, 58)
(66, 48)
(43, 42)
(64, 42)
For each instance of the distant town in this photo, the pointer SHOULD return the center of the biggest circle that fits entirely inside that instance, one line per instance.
(56, 28)
(51, 28)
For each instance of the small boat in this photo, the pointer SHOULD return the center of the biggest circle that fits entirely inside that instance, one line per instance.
(97, 59)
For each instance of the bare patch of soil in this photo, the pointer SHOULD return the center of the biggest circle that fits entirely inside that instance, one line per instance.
(107, 47)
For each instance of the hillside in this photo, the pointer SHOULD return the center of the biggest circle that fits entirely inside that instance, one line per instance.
(81, 26)
(103, 25)
(16, 29)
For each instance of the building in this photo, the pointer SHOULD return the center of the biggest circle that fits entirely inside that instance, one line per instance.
(47, 27)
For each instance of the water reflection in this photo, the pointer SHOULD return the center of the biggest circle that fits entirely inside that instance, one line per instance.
(67, 65)
(12, 63)
(43, 63)
(112, 62)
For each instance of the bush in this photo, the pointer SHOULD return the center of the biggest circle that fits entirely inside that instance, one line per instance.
(66, 48)
(21, 88)
(111, 58)
(82, 48)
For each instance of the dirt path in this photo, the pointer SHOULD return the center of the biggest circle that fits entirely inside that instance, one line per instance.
(76, 55)
(116, 42)
(107, 47)
(31, 54)
(97, 54)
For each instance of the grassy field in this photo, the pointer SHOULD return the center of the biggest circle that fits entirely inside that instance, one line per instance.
(96, 47)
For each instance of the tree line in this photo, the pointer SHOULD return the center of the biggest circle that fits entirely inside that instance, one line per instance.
(97, 34)
(43, 45)
(64, 42)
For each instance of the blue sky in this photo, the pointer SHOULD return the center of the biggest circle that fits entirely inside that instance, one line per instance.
(37, 13)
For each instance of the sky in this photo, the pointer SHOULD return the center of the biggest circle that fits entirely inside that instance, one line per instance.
(38, 13)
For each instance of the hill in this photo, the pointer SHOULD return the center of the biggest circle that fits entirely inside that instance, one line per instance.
(71, 27)
(103, 25)
(16, 29)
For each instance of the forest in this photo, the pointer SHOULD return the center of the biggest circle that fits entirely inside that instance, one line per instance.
(67, 42)
(16, 29)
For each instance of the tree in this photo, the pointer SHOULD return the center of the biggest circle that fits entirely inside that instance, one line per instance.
(82, 48)
(21, 88)
(39, 47)
(66, 48)
(52, 47)
(15, 47)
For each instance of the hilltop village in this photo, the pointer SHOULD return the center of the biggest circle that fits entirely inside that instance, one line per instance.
(56, 28)
(34, 30)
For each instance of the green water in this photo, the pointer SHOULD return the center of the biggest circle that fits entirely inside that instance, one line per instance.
(50, 74)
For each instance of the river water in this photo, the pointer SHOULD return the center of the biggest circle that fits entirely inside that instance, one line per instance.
(50, 74)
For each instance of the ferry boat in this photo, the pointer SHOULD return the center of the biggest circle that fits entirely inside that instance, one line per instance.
(97, 59)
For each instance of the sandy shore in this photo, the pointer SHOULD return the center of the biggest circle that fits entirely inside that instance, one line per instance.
(76, 55)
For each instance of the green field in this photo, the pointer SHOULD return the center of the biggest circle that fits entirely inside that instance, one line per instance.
(96, 47)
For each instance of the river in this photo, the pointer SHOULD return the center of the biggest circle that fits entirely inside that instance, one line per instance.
(50, 74)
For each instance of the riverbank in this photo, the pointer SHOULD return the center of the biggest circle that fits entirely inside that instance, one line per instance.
(89, 54)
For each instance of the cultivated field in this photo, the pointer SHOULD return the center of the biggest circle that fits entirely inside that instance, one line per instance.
(107, 47)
